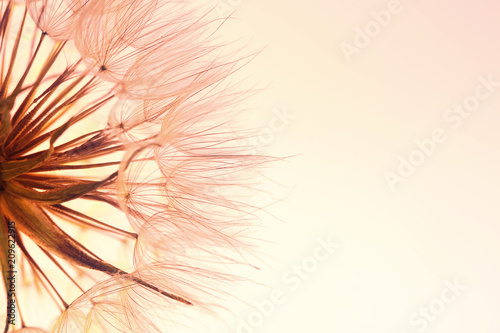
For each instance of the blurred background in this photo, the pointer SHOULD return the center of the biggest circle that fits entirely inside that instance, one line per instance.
(387, 215)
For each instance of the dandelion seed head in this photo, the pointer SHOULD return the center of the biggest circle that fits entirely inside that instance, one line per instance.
(115, 116)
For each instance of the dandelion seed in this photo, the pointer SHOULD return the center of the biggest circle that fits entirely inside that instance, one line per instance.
(153, 71)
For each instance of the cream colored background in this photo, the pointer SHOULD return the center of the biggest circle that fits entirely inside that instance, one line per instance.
(352, 122)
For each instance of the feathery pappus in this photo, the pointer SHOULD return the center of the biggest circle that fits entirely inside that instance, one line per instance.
(116, 116)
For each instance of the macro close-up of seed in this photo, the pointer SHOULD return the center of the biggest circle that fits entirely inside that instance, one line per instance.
(236, 166)
(122, 174)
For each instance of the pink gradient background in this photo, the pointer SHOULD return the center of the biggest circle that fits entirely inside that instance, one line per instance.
(352, 122)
